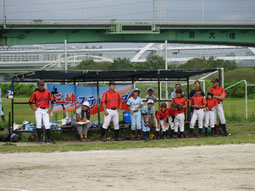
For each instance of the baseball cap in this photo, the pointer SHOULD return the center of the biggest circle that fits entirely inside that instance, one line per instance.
(150, 101)
(163, 105)
(215, 80)
(197, 89)
(112, 83)
(86, 103)
(178, 91)
(149, 89)
(40, 82)
(210, 93)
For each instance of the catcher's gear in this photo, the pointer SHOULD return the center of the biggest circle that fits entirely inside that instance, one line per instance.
(109, 139)
(176, 105)
(152, 136)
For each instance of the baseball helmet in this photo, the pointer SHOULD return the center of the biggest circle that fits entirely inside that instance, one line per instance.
(135, 90)
(150, 101)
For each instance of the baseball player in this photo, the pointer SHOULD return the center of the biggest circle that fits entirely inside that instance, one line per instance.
(180, 117)
(162, 116)
(111, 102)
(172, 112)
(150, 95)
(148, 113)
(219, 95)
(42, 97)
(211, 104)
(198, 102)
(1, 108)
(135, 104)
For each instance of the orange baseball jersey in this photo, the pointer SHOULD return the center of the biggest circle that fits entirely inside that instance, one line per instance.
(111, 99)
(218, 92)
(162, 115)
(198, 101)
(182, 101)
(41, 98)
(172, 112)
(210, 103)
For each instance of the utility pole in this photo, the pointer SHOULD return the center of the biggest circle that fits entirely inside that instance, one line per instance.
(4, 15)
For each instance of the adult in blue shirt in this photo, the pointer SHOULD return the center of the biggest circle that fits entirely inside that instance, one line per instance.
(134, 105)
(177, 87)
(148, 114)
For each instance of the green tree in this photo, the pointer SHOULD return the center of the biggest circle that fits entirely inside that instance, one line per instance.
(154, 62)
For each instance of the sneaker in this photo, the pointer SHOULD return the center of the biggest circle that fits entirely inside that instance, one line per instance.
(103, 139)
(50, 141)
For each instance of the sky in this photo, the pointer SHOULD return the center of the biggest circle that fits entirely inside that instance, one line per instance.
(131, 9)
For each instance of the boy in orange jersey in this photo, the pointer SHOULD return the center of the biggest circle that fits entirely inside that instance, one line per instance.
(172, 112)
(211, 104)
(162, 116)
(180, 117)
(198, 102)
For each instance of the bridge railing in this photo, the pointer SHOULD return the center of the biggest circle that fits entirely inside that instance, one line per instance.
(119, 21)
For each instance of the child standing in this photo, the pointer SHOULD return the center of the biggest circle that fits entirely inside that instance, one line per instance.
(198, 102)
(162, 116)
(135, 104)
(180, 117)
(172, 112)
(148, 113)
(211, 104)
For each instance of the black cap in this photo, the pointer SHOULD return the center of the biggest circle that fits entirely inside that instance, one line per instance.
(163, 105)
(210, 93)
(215, 80)
(178, 91)
(112, 83)
(197, 89)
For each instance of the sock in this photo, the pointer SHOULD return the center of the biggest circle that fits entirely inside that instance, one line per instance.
(103, 132)
(39, 133)
(116, 134)
(48, 133)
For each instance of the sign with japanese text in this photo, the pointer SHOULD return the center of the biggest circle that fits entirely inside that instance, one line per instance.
(70, 97)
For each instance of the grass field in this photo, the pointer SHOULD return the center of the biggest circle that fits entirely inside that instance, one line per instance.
(240, 133)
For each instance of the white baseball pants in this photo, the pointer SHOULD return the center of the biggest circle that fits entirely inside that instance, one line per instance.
(197, 115)
(171, 122)
(179, 122)
(114, 115)
(209, 118)
(163, 126)
(219, 110)
(42, 115)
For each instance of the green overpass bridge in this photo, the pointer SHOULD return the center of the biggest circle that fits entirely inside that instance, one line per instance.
(20, 32)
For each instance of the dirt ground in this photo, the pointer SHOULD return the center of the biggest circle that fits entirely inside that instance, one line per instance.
(226, 167)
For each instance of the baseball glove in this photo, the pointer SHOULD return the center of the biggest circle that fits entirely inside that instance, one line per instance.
(176, 105)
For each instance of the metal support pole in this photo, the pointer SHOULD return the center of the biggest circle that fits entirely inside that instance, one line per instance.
(219, 70)
(166, 68)
(65, 46)
(98, 105)
(12, 108)
(188, 87)
(159, 99)
(222, 77)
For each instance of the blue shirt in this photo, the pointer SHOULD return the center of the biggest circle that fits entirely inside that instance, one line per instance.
(173, 94)
(133, 103)
(146, 111)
